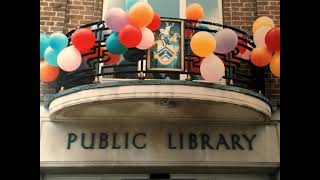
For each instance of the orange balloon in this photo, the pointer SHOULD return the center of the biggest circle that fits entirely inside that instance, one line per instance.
(261, 56)
(195, 11)
(48, 73)
(262, 21)
(203, 44)
(140, 14)
(275, 64)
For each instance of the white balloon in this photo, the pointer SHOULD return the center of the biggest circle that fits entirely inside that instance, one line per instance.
(226, 40)
(260, 35)
(212, 68)
(69, 59)
(147, 39)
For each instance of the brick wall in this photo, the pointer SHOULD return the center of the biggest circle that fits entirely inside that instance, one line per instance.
(242, 14)
(65, 15)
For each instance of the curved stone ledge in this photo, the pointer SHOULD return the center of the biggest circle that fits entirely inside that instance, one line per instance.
(158, 99)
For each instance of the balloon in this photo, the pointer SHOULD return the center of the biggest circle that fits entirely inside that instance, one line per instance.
(130, 36)
(83, 39)
(114, 45)
(259, 36)
(50, 56)
(195, 11)
(227, 41)
(69, 59)
(273, 39)
(111, 59)
(203, 27)
(44, 43)
(275, 64)
(130, 3)
(212, 68)
(147, 39)
(140, 14)
(203, 43)
(262, 21)
(48, 73)
(261, 56)
(155, 23)
(116, 19)
(58, 41)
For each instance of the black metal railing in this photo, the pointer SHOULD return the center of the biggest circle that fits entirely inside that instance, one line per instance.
(239, 72)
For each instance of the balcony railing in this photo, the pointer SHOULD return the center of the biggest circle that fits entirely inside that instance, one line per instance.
(239, 72)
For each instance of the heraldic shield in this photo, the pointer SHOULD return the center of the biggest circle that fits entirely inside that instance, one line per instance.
(167, 53)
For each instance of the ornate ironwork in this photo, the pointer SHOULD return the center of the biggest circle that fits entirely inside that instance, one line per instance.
(236, 66)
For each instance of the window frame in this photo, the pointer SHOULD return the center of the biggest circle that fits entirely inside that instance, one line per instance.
(182, 9)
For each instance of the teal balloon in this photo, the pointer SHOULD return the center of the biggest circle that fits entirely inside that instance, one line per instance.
(44, 43)
(130, 3)
(58, 41)
(203, 27)
(113, 44)
(51, 56)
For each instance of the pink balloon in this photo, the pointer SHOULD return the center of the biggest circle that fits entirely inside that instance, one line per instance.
(147, 39)
(260, 35)
(116, 19)
(212, 68)
(227, 40)
(69, 59)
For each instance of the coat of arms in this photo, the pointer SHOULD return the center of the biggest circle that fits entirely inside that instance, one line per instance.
(167, 52)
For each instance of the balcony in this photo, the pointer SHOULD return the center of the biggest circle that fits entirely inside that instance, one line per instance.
(131, 92)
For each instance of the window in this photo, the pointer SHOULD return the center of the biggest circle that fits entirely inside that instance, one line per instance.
(212, 9)
(166, 8)
(175, 8)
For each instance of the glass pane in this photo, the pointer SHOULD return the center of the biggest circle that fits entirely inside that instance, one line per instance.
(166, 8)
(117, 3)
(211, 8)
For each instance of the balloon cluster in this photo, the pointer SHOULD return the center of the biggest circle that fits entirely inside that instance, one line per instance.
(131, 29)
(58, 55)
(267, 40)
(134, 28)
(204, 44)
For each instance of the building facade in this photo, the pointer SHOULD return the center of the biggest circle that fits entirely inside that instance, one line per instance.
(169, 129)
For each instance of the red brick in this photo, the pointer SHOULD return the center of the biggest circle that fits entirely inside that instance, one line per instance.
(47, 8)
(76, 7)
(74, 11)
(57, 18)
(75, 16)
(44, 13)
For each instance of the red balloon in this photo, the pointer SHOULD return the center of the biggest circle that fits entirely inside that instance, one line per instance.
(272, 39)
(83, 39)
(155, 24)
(130, 36)
(111, 59)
